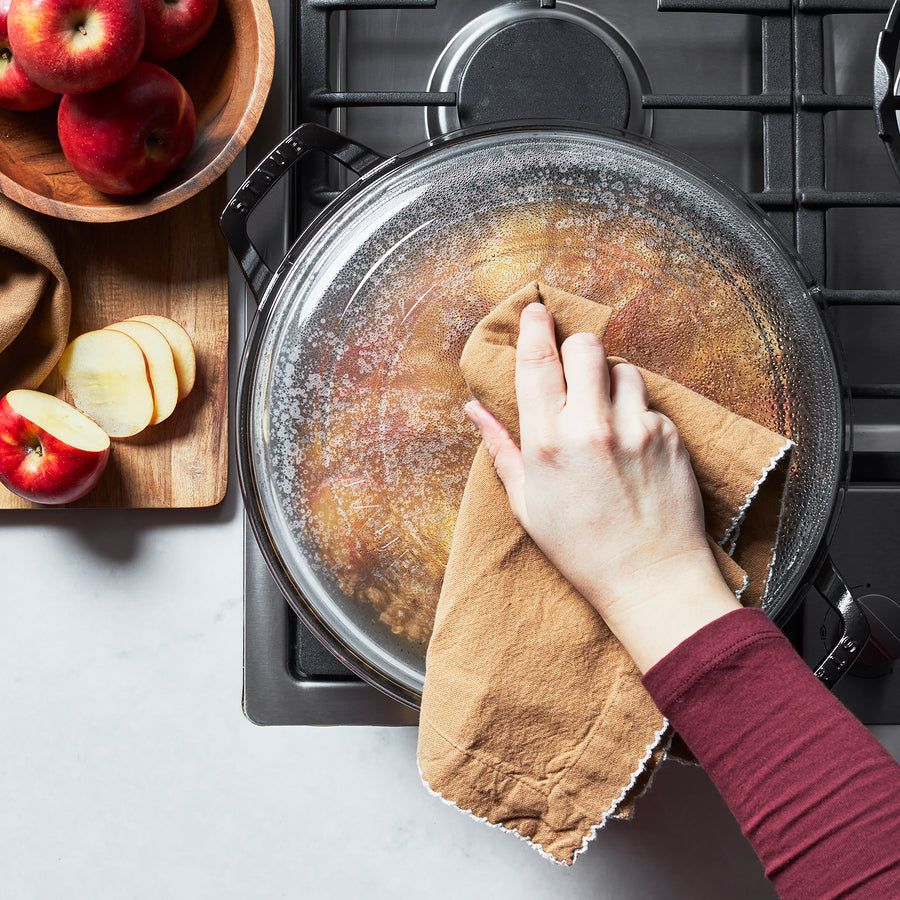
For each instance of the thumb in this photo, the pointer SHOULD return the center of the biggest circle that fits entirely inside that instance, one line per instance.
(504, 453)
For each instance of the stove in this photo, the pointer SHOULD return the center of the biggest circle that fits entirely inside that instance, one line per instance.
(775, 95)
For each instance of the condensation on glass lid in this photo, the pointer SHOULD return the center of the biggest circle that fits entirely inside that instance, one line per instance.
(368, 448)
(383, 476)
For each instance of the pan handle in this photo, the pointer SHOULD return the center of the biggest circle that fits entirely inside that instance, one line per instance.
(303, 140)
(855, 633)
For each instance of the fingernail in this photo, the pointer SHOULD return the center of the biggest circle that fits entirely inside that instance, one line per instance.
(471, 410)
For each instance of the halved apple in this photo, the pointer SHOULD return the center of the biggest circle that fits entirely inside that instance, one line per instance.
(49, 451)
(182, 350)
(160, 365)
(106, 373)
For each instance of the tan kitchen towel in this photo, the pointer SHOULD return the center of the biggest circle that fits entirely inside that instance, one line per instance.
(533, 715)
(35, 300)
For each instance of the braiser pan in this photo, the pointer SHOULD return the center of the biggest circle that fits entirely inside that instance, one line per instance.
(352, 446)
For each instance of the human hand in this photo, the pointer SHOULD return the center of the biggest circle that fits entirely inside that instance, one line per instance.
(605, 488)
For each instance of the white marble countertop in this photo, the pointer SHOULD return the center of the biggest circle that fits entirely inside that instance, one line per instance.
(129, 770)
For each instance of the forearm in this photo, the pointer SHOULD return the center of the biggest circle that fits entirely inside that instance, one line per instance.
(817, 796)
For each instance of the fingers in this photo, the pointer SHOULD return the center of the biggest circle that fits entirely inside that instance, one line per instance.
(668, 430)
(638, 426)
(504, 453)
(628, 391)
(587, 376)
(540, 385)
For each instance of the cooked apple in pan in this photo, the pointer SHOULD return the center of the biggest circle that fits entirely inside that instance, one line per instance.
(385, 550)
(584, 251)
(383, 479)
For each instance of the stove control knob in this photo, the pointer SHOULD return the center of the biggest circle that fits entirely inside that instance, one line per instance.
(883, 614)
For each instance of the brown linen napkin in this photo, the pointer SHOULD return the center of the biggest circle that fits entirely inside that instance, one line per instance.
(35, 300)
(533, 715)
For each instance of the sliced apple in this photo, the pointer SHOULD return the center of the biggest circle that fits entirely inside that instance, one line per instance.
(106, 373)
(49, 451)
(182, 350)
(160, 365)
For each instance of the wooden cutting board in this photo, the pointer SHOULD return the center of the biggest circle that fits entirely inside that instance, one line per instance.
(174, 264)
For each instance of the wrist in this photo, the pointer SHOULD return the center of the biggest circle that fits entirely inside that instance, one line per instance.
(665, 606)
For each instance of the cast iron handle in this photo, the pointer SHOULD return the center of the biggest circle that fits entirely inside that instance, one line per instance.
(855, 632)
(885, 77)
(305, 139)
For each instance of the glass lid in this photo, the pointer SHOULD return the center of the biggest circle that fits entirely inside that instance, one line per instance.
(358, 443)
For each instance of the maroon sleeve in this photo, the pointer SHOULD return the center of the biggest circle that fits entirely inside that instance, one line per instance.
(815, 793)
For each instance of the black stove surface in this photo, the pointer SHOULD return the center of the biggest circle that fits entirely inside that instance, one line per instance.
(778, 103)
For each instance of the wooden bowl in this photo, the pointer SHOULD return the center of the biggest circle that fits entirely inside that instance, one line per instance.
(227, 75)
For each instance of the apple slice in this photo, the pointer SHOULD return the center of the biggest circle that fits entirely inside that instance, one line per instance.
(106, 374)
(160, 365)
(49, 451)
(182, 350)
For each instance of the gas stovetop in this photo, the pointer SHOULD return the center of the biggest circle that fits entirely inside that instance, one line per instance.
(775, 95)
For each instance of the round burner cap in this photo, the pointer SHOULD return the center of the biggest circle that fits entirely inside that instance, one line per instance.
(544, 68)
(519, 61)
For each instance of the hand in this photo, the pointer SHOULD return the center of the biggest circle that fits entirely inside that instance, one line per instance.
(605, 488)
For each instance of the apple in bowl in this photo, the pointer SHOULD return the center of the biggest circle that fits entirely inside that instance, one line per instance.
(49, 451)
(73, 46)
(176, 26)
(17, 90)
(128, 137)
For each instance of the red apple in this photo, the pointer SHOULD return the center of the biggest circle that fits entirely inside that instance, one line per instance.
(73, 46)
(176, 26)
(49, 451)
(17, 90)
(129, 136)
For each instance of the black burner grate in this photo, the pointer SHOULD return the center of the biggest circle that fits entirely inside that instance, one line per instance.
(792, 103)
(793, 106)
